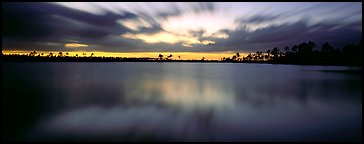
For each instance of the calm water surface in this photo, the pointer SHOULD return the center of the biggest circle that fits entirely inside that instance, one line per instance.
(180, 102)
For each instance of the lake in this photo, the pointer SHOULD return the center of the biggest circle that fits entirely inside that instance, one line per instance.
(180, 102)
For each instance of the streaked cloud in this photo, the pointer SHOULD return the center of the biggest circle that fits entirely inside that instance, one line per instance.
(178, 26)
(166, 37)
(135, 24)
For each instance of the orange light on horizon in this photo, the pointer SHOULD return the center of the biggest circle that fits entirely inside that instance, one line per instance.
(175, 55)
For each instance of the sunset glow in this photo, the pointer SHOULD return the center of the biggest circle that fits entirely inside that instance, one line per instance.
(182, 71)
(75, 45)
(183, 55)
(178, 26)
(169, 38)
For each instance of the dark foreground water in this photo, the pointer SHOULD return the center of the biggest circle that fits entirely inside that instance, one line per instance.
(180, 102)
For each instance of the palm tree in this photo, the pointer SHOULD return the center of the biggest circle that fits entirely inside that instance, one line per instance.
(160, 57)
(275, 52)
(179, 57)
(254, 57)
(311, 45)
(169, 57)
(258, 53)
(266, 57)
(60, 54)
(249, 57)
(327, 48)
(33, 53)
(295, 48)
(268, 53)
(92, 54)
(238, 56)
(286, 49)
(84, 54)
(234, 57)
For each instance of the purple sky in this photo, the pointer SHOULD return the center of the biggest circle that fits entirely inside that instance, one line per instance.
(177, 27)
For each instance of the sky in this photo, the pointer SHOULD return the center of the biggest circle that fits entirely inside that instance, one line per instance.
(184, 27)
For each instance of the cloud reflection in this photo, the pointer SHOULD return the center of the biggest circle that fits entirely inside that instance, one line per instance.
(194, 102)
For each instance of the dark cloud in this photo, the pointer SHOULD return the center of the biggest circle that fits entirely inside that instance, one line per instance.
(198, 33)
(204, 6)
(44, 26)
(92, 33)
(196, 8)
(25, 24)
(277, 33)
(288, 35)
(175, 12)
(149, 30)
(24, 21)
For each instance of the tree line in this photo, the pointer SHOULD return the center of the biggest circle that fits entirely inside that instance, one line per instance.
(305, 53)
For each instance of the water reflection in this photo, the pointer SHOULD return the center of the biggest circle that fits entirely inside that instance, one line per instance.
(185, 93)
(191, 102)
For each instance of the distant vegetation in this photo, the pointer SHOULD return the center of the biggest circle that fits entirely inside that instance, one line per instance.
(304, 53)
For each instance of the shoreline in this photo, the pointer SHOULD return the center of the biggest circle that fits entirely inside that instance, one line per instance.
(23, 58)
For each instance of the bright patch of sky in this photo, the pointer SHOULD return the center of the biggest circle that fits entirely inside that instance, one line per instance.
(194, 16)
(181, 26)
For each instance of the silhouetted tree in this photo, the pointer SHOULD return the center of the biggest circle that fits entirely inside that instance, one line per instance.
(295, 48)
(234, 57)
(268, 53)
(306, 48)
(327, 48)
(275, 52)
(170, 57)
(299, 54)
(249, 57)
(160, 57)
(286, 48)
(266, 57)
(259, 56)
(33, 53)
(228, 59)
(311, 45)
(237, 56)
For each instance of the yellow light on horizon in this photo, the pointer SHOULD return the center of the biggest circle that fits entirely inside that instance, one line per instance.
(183, 55)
